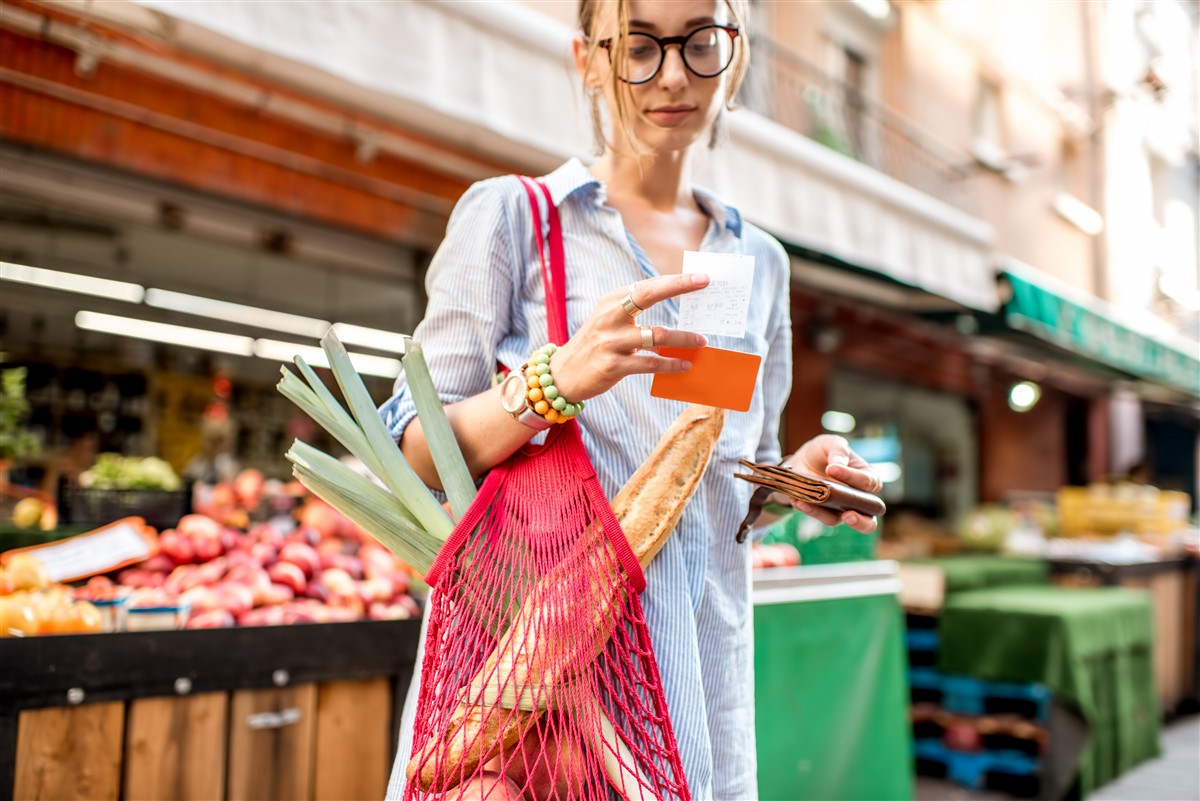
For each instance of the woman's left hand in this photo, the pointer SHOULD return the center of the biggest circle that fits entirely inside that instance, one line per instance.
(830, 456)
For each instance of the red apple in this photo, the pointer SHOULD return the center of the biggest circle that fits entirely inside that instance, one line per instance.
(302, 613)
(342, 614)
(199, 525)
(330, 547)
(288, 574)
(401, 581)
(249, 485)
(223, 495)
(321, 516)
(174, 582)
(338, 581)
(306, 535)
(177, 547)
(212, 619)
(382, 611)
(317, 590)
(263, 616)
(207, 547)
(351, 564)
(264, 553)
(409, 603)
(160, 562)
(230, 538)
(375, 590)
(237, 598)
(302, 556)
(277, 594)
(200, 599)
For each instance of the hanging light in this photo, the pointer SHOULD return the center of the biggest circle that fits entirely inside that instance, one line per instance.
(1023, 396)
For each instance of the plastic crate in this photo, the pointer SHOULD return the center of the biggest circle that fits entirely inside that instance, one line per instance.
(90, 507)
(976, 770)
(969, 696)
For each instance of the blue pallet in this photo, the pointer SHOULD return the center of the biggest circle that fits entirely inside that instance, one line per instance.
(924, 679)
(922, 640)
(969, 696)
(970, 769)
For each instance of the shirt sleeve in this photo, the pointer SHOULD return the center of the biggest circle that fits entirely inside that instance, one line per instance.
(777, 371)
(471, 287)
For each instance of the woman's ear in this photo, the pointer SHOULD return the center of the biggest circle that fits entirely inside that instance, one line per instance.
(590, 75)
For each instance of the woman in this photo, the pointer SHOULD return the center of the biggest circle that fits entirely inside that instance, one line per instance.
(665, 70)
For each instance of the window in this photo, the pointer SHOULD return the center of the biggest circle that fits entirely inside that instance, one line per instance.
(989, 146)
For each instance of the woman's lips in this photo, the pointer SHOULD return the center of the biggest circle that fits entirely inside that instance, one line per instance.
(671, 115)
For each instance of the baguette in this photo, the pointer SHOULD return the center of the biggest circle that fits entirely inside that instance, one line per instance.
(647, 508)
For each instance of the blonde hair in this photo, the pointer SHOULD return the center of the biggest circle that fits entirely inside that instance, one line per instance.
(592, 13)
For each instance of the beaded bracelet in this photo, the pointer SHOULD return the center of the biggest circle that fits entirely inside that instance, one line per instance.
(541, 395)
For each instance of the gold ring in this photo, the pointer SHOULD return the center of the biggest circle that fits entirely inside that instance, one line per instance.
(647, 337)
(631, 308)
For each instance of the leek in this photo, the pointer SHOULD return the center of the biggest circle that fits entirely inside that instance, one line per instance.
(443, 447)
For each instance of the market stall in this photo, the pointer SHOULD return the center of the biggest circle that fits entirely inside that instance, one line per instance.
(828, 703)
(282, 712)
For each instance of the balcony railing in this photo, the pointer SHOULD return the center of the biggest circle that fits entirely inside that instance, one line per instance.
(789, 90)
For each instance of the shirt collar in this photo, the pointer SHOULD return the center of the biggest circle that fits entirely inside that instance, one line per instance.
(573, 176)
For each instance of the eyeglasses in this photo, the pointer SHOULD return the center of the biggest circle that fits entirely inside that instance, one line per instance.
(706, 52)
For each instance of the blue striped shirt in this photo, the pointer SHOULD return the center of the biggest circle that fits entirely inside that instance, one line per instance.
(487, 304)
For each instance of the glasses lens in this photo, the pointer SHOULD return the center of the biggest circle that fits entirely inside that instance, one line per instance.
(643, 58)
(708, 51)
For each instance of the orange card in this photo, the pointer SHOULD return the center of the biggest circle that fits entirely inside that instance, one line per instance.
(723, 378)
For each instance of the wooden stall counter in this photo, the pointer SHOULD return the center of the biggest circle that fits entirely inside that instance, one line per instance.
(286, 713)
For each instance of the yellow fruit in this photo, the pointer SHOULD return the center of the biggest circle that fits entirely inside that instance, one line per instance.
(28, 512)
(17, 618)
(25, 572)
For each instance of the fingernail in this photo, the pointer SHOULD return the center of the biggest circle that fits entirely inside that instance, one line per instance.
(699, 279)
(686, 365)
(701, 340)
(839, 459)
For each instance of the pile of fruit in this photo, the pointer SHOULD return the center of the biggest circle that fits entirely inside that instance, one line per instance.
(30, 604)
(315, 567)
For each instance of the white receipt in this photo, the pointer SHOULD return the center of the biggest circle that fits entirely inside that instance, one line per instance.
(722, 307)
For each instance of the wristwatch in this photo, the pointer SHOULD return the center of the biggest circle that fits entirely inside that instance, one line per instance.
(512, 399)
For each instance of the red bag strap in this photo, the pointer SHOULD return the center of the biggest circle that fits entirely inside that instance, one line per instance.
(554, 272)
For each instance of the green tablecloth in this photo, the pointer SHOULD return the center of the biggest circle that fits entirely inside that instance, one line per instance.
(1092, 648)
(831, 700)
(980, 571)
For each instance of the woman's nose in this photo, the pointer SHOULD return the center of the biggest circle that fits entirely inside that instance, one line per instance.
(673, 74)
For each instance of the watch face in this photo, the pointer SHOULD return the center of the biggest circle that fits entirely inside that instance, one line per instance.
(512, 393)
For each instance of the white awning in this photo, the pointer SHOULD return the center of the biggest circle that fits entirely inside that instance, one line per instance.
(497, 77)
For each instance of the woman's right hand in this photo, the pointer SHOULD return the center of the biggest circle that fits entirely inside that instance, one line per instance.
(609, 345)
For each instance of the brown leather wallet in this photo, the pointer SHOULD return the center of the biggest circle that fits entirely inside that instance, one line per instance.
(810, 489)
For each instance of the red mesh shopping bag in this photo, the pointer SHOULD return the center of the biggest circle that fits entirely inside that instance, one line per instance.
(538, 665)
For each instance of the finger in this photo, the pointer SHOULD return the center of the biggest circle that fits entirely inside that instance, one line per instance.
(860, 523)
(644, 362)
(665, 338)
(822, 516)
(865, 480)
(647, 292)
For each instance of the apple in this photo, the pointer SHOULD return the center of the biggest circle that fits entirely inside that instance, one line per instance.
(409, 603)
(198, 525)
(350, 602)
(402, 582)
(207, 547)
(237, 598)
(223, 496)
(252, 577)
(302, 556)
(239, 557)
(342, 614)
(200, 599)
(263, 616)
(375, 590)
(330, 547)
(249, 486)
(338, 581)
(174, 582)
(305, 534)
(230, 538)
(303, 612)
(317, 590)
(321, 516)
(177, 547)
(277, 594)
(288, 574)
(264, 553)
(351, 564)
(160, 562)
(382, 611)
(212, 619)
(265, 532)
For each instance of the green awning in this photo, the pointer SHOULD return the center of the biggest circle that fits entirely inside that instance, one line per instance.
(1089, 328)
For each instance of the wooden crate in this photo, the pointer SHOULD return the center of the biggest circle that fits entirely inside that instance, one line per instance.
(288, 713)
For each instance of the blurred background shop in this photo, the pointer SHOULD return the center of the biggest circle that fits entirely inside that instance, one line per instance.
(993, 216)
